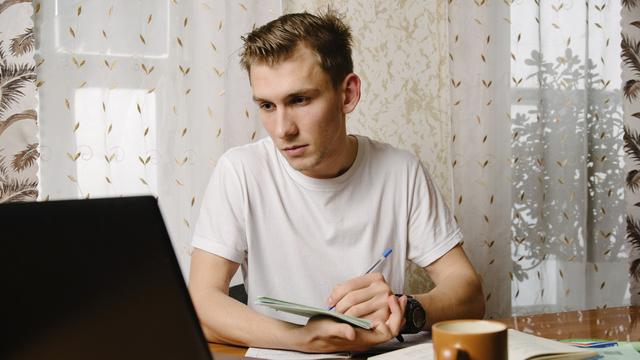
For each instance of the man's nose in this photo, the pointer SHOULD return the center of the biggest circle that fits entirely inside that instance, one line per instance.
(285, 124)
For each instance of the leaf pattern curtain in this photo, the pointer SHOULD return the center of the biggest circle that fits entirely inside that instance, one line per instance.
(537, 146)
(479, 70)
(18, 128)
(141, 97)
(631, 89)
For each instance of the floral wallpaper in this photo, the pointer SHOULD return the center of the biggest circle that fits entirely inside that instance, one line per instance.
(402, 61)
(18, 128)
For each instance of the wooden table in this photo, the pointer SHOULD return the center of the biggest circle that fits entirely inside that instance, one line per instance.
(226, 349)
(620, 323)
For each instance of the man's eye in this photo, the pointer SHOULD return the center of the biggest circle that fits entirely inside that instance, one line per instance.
(299, 100)
(266, 106)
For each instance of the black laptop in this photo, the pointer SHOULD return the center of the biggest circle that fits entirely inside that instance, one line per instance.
(93, 279)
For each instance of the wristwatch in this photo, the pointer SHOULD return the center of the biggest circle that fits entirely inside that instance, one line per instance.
(415, 316)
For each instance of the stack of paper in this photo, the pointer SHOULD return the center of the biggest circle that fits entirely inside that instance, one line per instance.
(310, 311)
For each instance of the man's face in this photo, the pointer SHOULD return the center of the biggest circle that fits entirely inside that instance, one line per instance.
(302, 112)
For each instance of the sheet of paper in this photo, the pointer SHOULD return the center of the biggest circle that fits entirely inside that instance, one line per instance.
(291, 355)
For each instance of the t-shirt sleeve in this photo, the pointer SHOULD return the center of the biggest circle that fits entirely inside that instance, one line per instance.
(220, 228)
(432, 229)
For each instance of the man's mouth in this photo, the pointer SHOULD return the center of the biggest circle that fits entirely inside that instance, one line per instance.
(293, 147)
(295, 150)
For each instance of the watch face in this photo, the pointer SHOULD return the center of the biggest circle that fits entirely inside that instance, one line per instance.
(418, 318)
(415, 316)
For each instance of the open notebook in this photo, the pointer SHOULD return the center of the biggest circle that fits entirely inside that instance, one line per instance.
(521, 347)
(310, 311)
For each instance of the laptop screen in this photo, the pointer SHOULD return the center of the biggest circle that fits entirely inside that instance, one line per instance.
(93, 279)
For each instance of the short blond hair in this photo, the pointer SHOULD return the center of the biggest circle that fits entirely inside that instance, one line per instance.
(325, 34)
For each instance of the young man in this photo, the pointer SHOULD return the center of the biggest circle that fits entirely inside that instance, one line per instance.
(306, 211)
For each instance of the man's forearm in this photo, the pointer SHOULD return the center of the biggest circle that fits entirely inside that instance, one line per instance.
(225, 320)
(459, 296)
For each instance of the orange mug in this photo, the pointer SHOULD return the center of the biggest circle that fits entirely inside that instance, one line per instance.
(470, 340)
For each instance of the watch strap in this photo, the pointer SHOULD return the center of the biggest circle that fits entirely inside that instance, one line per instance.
(413, 306)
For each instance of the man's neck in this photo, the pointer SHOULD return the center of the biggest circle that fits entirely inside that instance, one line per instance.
(337, 163)
(352, 146)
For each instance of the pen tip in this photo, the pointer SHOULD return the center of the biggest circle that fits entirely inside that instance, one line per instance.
(387, 252)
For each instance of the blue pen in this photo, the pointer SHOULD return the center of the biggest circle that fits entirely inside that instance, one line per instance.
(601, 344)
(374, 266)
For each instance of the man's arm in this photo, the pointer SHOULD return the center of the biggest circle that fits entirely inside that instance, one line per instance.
(226, 320)
(457, 295)
(458, 291)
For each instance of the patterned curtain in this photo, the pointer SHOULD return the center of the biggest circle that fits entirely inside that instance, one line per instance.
(631, 89)
(479, 68)
(538, 151)
(18, 128)
(141, 97)
(400, 53)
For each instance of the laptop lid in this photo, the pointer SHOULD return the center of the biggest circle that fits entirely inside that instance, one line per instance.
(93, 279)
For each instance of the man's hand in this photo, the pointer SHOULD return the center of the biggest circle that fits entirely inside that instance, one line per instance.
(365, 296)
(225, 320)
(326, 335)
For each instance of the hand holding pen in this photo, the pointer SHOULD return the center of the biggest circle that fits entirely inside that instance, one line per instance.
(374, 266)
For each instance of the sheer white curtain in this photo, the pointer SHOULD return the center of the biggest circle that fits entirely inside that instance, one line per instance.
(479, 69)
(141, 97)
(537, 151)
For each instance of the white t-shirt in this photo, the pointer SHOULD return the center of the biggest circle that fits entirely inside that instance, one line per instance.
(296, 237)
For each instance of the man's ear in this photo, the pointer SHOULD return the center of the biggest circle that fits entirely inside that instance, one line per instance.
(350, 93)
